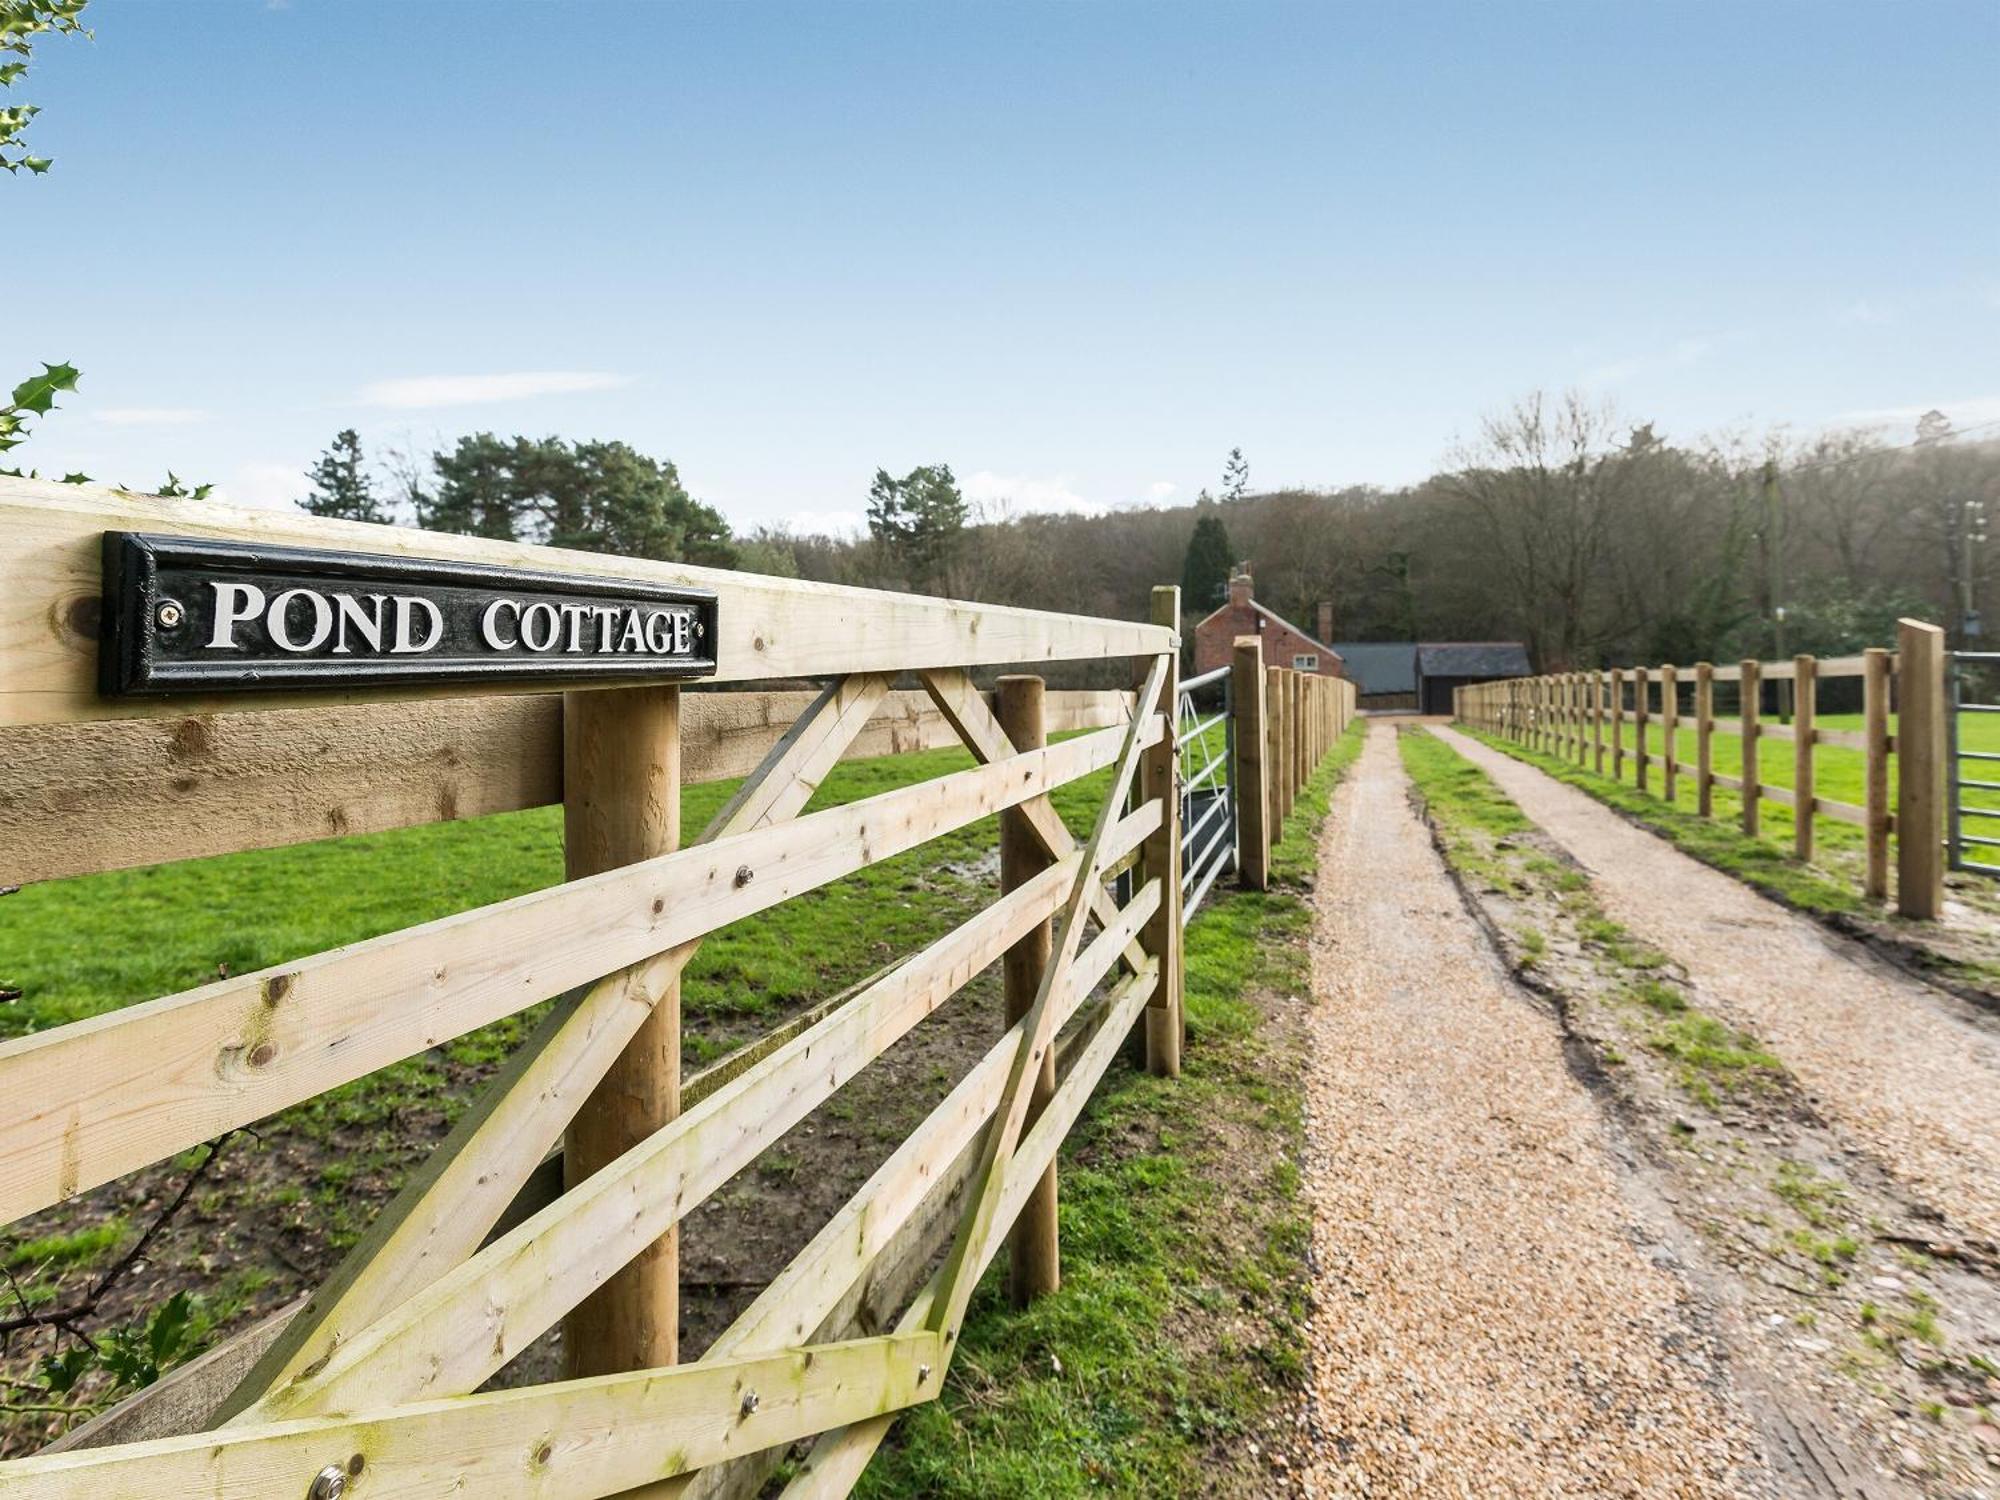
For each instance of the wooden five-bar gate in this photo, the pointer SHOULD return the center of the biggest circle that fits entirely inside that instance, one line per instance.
(555, 1198)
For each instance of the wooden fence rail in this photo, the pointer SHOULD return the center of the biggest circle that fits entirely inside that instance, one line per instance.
(378, 1373)
(1572, 715)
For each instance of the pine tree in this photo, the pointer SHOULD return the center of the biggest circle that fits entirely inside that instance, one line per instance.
(341, 486)
(1235, 475)
(918, 518)
(592, 496)
(1205, 570)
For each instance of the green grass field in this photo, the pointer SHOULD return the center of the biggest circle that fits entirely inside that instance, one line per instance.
(1165, 1220)
(1837, 774)
(77, 948)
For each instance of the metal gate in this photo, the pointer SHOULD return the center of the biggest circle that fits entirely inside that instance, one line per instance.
(1974, 774)
(1207, 744)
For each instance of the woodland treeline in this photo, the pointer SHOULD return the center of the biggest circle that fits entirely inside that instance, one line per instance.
(1594, 541)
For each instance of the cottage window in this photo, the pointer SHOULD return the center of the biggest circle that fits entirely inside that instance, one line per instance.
(1305, 661)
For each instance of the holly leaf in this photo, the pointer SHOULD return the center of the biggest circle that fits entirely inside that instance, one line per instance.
(167, 1330)
(38, 392)
(60, 1372)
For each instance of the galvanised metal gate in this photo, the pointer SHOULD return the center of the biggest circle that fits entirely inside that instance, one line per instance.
(1207, 742)
(1974, 772)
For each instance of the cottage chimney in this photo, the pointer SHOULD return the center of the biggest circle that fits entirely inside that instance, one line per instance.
(1326, 622)
(1239, 584)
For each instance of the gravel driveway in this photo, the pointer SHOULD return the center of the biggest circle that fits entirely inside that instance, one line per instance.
(1911, 1075)
(1489, 1320)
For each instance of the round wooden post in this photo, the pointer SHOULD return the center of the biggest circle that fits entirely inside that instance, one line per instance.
(1253, 781)
(1297, 709)
(1875, 791)
(1274, 741)
(1751, 715)
(621, 804)
(1617, 725)
(1034, 1266)
(1704, 739)
(1920, 771)
(1642, 750)
(1161, 937)
(1597, 722)
(1670, 730)
(1805, 695)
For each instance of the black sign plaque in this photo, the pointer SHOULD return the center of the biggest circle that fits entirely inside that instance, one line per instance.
(183, 615)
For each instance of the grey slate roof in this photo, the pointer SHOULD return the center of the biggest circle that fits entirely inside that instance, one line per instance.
(1379, 666)
(1473, 659)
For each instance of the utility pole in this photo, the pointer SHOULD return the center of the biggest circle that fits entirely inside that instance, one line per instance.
(1971, 536)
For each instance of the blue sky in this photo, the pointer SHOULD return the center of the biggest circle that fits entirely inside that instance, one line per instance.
(1077, 251)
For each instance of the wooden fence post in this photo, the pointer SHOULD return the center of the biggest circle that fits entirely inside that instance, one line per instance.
(1875, 787)
(621, 804)
(1253, 794)
(1161, 937)
(1920, 768)
(1752, 707)
(1704, 739)
(1805, 704)
(1034, 1264)
(1642, 693)
(1274, 741)
(1617, 725)
(1597, 720)
(1670, 728)
(1298, 719)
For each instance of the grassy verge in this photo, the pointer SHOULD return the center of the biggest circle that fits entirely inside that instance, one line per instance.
(1714, 841)
(1548, 906)
(1963, 956)
(1176, 1339)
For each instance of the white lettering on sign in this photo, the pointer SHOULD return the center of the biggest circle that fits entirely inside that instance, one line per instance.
(302, 620)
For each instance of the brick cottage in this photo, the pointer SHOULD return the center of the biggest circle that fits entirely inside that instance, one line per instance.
(1285, 645)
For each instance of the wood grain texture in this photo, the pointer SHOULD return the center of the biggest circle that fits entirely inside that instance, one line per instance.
(622, 805)
(97, 1098)
(572, 1440)
(455, 1333)
(112, 794)
(468, 1182)
(1875, 688)
(50, 605)
(1034, 1266)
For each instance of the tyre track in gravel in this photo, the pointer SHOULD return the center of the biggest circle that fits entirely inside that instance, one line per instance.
(1909, 1073)
(1487, 1321)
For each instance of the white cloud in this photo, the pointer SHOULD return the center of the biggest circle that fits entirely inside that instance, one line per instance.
(264, 486)
(418, 391)
(1022, 494)
(1974, 411)
(1864, 311)
(151, 416)
(1161, 490)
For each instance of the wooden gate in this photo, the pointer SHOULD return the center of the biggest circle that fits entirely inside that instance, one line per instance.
(373, 1388)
